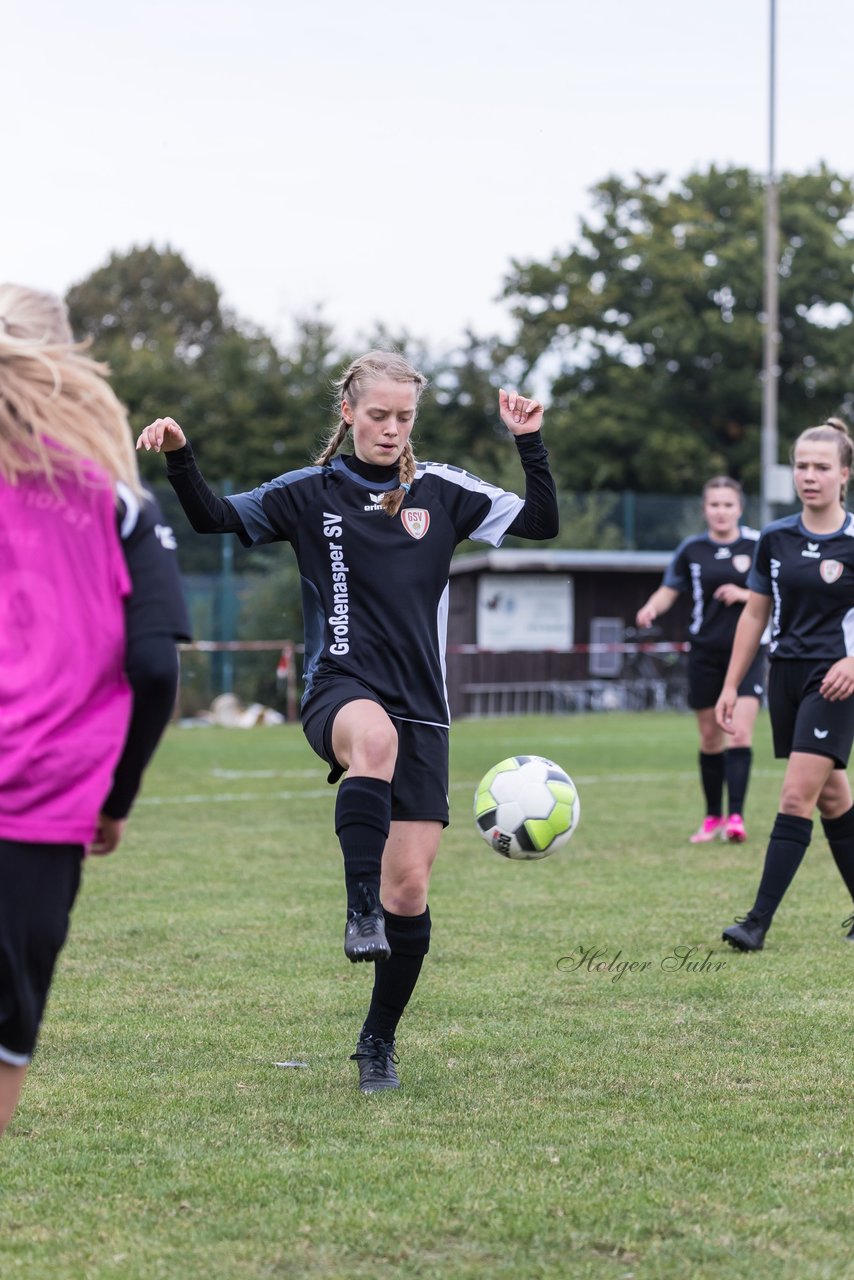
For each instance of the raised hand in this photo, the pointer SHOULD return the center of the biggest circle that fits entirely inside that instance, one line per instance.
(163, 436)
(519, 414)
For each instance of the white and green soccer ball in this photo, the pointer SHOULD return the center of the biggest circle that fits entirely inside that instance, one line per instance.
(526, 807)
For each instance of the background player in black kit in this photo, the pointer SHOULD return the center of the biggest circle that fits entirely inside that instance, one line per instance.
(803, 579)
(712, 569)
(374, 532)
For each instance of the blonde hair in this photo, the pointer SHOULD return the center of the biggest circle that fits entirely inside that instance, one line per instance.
(833, 431)
(370, 368)
(57, 410)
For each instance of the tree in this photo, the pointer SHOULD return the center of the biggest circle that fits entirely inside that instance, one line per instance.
(650, 326)
(173, 350)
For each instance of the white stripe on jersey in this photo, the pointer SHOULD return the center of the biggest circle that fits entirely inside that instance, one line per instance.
(504, 506)
(132, 509)
(442, 619)
(774, 621)
(848, 633)
(697, 593)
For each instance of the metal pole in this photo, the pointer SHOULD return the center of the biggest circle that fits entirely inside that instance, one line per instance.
(771, 302)
(227, 626)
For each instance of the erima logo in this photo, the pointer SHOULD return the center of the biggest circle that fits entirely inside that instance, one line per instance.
(723, 553)
(166, 537)
(375, 503)
(811, 551)
(758, 690)
(821, 733)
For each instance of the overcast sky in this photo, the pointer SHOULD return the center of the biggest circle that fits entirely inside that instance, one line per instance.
(383, 160)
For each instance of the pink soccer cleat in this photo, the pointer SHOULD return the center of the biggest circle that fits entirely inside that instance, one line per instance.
(734, 831)
(712, 829)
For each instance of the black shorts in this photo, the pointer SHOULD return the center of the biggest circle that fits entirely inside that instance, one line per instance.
(419, 788)
(801, 719)
(39, 884)
(706, 671)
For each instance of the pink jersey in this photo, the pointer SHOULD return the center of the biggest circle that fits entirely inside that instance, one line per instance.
(64, 699)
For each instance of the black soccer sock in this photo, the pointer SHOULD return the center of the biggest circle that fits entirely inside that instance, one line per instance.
(737, 767)
(712, 778)
(840, 837)
(395, 978)
(790, 838)
(362, 819)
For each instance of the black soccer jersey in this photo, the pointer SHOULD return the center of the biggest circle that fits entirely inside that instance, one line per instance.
(156, 604)
(810, 579)
(374, 588)
(699, 566)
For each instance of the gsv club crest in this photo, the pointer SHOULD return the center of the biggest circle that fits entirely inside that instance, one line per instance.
(416, 521)
(830, 570)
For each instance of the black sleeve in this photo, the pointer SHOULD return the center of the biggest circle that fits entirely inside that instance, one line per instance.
(152, 670)
(155, 617)
(539, 518)
(156, 605)
(206, 512)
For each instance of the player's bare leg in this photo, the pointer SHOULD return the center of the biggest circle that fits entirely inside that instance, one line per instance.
(11, 1084)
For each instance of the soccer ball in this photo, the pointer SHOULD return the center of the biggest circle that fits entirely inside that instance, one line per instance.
(526, 807)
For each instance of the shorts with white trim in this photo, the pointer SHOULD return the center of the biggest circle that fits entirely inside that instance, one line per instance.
(419, 787)
(801, 719)
(38, 885)
(706, 671)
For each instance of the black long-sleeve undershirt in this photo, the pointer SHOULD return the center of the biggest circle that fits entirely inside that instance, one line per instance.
(208, 513)
(539, 519)
(155, 617)
(151, 665)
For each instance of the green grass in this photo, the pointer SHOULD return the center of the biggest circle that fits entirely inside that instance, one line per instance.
(555, 1121)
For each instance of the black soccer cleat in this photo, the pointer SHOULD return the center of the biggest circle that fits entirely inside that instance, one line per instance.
(376, 1058)
(747, 934)
(364, 933)
(849, 925)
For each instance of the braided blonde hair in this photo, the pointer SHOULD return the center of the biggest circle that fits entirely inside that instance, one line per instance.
(57, 410)
(833, 431)
(370, 368)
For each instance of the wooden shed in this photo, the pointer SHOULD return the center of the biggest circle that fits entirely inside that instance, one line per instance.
(554, 631)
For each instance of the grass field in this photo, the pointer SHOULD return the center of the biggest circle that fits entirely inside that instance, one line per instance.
(557, 1120)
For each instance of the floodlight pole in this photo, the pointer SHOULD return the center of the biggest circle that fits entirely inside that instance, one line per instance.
(771, 301)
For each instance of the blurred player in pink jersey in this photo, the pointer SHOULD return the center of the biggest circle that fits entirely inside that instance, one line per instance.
(90, 608)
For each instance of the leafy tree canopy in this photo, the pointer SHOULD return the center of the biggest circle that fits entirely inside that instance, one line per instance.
(650, 326)
(250, 410)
